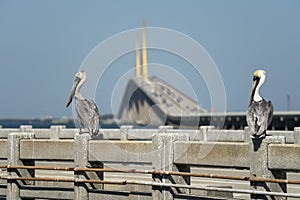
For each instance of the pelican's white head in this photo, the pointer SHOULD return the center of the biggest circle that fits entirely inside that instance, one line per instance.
(259, 77)
(81, 75)
(79, 79)
(261, 74)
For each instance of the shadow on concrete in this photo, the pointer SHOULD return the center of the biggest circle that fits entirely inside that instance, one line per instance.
(256, 143)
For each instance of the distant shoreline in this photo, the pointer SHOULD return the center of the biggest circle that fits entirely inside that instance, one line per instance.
(107, 121)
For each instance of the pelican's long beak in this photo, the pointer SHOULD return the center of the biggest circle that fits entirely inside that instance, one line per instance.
(255, 82)
(75, 84)
(254, 85)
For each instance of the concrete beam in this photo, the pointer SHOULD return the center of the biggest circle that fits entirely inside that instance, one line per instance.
(41, 133)
(46, 193)
(5, 131)
(288, 135)
(3, 149)
(227, 154)
(284, 156)
(68, 133)
(141, 134)
(218, 135)
(110, 134)
(119, 195)
(120, 151)
(47, 149)
(55, 132)
(3, 191)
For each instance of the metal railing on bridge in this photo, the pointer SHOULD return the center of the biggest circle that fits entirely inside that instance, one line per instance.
(167, 157)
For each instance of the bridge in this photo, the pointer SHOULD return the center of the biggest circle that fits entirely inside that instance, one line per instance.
(150, 101)
(154, 102)
(164, 163)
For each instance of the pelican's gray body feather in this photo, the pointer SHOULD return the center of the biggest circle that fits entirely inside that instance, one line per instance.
(259, 116)
(88, 115)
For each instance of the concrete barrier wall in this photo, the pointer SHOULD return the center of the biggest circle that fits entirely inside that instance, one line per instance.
(205, 133)
(164, 149)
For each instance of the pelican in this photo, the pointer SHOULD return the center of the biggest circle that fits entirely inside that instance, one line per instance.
(260, 111)
(87, 111)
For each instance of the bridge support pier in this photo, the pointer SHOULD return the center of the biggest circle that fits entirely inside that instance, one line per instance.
(259, 167)
(297, 135)
(81, 160)
(81, 149)
(13, 159)
(163, 145)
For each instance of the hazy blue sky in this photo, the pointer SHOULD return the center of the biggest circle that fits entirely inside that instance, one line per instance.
(43, 44)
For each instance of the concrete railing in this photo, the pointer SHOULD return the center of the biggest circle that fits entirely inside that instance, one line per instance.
(163, 149)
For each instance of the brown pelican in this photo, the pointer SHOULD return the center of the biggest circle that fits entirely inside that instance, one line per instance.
(260, 111)
(87, 111)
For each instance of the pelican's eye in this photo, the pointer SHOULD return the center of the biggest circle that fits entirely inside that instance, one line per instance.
(256, 78)
(77, 79)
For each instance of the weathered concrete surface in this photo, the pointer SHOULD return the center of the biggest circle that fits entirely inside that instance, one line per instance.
(55, 132)
(124, 132)
(120, 151)
(119, 195)
(110, 134)
(141, 134)
(201, 181)
(47, 149)
(47, 193)
(13, 158)
(3, 149)
(5, 131)
(288, 135)
(137, 149)
(81, 160)
(297, 135)
(2, 193)
(259, 167)
(284, 156)
(68, 133)
(217, 135)
(164, 160)
(225, 154)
